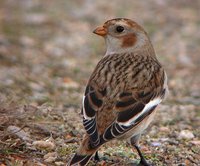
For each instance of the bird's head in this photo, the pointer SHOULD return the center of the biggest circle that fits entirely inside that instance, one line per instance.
(122, 35)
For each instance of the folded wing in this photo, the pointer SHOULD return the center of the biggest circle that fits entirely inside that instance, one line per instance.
(132, 111)
(92, 102)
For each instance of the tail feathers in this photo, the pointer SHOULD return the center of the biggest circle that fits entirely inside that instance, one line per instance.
(79, 160)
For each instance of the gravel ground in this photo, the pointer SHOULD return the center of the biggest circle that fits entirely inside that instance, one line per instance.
(47, 52)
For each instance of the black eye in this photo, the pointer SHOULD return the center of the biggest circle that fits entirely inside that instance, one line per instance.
(119, 29)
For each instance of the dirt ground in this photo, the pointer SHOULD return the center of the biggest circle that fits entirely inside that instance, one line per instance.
(47, 53)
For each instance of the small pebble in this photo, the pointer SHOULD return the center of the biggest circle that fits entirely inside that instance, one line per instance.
(156, 144)
(44, 145)
(164, 139)
(186, 134)
(195, 142)
(164, 129)
(59, 163)
(50, 157)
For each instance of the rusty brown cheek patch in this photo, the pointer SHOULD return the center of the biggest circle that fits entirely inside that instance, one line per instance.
(129, 40)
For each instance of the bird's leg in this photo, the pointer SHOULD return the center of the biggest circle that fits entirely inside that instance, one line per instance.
(142, 159)
(96, 156)
(134, 142)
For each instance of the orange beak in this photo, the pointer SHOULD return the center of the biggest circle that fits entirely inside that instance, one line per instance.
(100, 31)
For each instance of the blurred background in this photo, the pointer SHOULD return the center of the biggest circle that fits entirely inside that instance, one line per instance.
(47, 53)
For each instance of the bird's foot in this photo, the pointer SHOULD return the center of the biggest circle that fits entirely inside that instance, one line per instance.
(143, 162)
(96, 157)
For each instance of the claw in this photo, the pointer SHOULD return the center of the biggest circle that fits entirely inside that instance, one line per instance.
(96, 157)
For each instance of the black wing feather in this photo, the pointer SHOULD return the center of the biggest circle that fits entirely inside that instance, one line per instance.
(91, 103)
(129, 109)
(124, 116)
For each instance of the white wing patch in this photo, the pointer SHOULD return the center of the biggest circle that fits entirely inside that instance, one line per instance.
(147, 107)
(90, 124)
(84, 114)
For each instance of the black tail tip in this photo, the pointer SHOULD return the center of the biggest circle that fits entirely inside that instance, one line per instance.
(79, 160)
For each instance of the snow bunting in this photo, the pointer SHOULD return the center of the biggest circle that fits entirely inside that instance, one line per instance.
(123, 91)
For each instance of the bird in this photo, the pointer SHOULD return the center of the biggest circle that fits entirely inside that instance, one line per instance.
(122, 93)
